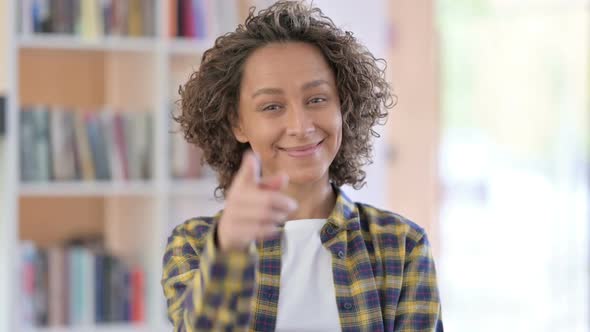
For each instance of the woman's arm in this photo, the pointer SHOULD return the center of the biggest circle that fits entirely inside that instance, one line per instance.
(209, 284)
(206, 290)
(419, 307)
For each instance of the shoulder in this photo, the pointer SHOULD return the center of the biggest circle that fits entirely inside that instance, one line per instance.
(181, 256)
(193, 227)
(390, 228)
(189, 237)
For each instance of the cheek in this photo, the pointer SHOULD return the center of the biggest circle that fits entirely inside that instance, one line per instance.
(336, 129)
(263, 137)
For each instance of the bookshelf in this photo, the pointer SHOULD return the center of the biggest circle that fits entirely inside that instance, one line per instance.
(131, 74)
(86, 72)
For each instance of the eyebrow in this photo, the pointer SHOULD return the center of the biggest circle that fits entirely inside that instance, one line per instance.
(276, 91)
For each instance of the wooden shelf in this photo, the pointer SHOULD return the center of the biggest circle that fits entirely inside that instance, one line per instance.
(103, 44)
(201, 187)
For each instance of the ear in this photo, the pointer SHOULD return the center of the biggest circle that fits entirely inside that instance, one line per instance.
(239, 132)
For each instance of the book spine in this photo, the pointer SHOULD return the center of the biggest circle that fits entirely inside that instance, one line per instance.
(88, 289)
(27, 274)
(121, 145)
(173, 18)
(56, 286)
(137, 295)
(27, 152)
(100, 289)
(41, 146)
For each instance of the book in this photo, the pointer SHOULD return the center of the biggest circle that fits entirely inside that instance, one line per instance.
(98, 147)
(114, 164)
(186, 159)
(99, 288)
(65, 144)
(26, 153)
(41, 295)
(81, 277)
(200, 19)
(58, 281)
(120, 144)
(84, 155)
(135, 19)
(89, 19)
(137, 297)
(173, 18)
(78, 285)
(88, 284)
(27, 272)
(42, 161)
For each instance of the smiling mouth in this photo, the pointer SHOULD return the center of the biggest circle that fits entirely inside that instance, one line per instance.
(302, 151)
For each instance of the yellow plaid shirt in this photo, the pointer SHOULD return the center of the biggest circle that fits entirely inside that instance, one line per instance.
(384, 275)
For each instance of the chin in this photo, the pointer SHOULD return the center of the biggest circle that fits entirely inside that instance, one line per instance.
(307, 175)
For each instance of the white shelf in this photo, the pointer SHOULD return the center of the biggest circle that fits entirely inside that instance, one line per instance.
(186, 46)
(70, 42)
(176, 46)
(198, 187)
(106, 327)
(81, 188)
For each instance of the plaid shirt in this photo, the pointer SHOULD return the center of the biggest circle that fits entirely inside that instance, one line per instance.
(384, 275)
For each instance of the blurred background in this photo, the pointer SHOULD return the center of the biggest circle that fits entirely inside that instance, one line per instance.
(488, 149)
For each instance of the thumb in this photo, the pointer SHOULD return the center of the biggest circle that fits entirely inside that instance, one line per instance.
(275, 182)
(249, 171)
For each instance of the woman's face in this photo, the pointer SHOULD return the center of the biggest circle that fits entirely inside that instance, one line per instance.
(289, 111)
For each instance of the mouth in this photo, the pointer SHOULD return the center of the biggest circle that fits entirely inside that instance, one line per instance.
(302, 150)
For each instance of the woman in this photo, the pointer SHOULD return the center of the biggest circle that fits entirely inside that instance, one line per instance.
(290, 252)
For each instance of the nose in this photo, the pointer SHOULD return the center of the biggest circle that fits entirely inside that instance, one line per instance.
(299, 122)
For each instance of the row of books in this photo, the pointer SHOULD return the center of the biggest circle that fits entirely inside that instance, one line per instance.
(79, 285)
(202, 19)
(186, 159)
(62, 144)
(89, 19)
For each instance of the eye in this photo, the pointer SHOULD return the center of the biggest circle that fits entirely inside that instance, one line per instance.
(271, 108)
(317, 100)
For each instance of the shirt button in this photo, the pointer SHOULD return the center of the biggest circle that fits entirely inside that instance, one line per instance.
(341, 254)
(331, 231)
(347, 305)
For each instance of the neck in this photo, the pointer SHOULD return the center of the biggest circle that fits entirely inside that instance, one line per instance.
(316, 200)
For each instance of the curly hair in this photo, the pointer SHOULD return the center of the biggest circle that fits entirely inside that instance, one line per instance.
(208, 99)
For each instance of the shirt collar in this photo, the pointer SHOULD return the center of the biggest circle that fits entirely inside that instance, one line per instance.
(345, 215)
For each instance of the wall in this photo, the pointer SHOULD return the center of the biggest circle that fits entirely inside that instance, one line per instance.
(414, 125)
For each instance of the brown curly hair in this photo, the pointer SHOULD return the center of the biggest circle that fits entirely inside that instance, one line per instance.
(209, 98)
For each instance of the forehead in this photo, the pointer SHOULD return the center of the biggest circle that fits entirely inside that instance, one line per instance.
(283, 64)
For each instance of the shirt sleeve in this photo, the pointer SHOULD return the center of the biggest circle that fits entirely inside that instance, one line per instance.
(419, 307)
(206, 290)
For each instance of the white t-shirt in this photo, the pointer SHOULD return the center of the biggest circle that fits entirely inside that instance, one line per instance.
(307, 299)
